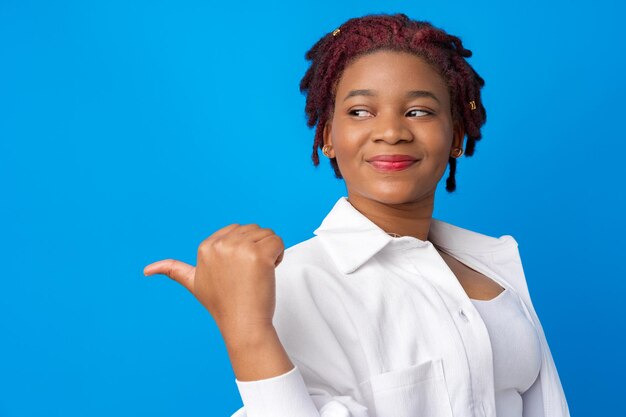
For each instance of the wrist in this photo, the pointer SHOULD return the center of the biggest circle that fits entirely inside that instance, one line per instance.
(249, 335)
(257, 354)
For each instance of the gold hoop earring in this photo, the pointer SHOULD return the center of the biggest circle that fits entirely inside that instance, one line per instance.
(457, 152)
(326, 150)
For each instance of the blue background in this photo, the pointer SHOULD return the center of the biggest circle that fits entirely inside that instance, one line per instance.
(130, 131)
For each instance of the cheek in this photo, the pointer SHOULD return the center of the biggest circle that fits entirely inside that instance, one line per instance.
(343, 157)
(346, 142)
(444, 140)
(438, 153)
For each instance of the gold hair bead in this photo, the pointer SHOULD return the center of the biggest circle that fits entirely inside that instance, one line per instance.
(472, 105)
(336, 32)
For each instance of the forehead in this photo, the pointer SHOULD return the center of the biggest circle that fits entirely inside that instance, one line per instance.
(391, 72)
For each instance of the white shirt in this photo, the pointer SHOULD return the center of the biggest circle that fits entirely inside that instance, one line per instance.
(378, 326)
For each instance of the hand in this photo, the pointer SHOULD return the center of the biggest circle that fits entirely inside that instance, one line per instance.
(234, 278)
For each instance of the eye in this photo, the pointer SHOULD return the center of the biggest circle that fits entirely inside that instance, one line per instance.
(418, 113)
(359, 113)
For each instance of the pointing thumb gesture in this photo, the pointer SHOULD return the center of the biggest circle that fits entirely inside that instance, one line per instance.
(180, 272)
(234, 277)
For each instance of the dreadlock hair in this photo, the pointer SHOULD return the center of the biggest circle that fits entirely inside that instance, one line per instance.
(371, 33)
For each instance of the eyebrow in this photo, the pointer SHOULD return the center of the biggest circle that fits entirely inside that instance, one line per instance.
(410, 94)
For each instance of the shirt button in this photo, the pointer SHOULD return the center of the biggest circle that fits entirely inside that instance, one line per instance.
(463, 315)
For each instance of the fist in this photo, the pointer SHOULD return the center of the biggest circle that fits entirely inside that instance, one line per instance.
(234, 276)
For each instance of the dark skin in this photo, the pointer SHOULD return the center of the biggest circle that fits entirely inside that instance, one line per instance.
(390, 103)
(234, 277)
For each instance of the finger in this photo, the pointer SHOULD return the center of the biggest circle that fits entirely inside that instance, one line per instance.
(245, 229)
(279, 259)
(273, 247)
(258, 234)
(235, 233)
(224, 230)
(178, 271)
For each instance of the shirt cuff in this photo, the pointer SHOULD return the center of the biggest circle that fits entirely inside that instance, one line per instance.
(284, 395)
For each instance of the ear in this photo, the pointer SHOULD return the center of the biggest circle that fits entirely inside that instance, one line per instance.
(328, 140)
(459, 135)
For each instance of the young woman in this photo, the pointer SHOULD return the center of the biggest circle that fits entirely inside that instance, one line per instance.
(387, 311)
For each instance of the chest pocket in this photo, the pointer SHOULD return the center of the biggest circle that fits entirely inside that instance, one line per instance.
(416, 391)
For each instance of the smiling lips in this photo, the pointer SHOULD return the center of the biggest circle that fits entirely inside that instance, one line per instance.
(388, 163)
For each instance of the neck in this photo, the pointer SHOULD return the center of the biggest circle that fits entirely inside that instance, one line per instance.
(404, 219)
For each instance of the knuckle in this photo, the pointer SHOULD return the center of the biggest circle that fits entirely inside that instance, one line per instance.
(277, 239)
(223, 245)
(254, 256)
(209, 247)
(171, 265)
(205, 246)
(253, 253)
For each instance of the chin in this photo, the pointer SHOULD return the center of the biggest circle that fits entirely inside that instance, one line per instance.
(398, 196)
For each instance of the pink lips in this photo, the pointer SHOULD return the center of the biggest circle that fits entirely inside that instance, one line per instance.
(392, 162)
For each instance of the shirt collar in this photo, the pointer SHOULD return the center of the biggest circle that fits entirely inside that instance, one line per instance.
(352, 239)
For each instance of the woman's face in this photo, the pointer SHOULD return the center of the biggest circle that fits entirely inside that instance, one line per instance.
(392, 129)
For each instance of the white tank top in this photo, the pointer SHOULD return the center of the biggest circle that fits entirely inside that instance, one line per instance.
(516, 350)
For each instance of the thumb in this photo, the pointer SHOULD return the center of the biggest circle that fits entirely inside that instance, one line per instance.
(178, 271)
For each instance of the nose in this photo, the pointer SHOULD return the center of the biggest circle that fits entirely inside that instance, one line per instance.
(391, 128)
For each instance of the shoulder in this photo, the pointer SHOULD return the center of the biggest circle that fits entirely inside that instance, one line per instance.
(309, 251)
(308, 294)
(460, 239)
(496, 255)
(305, 260)
(308, 282)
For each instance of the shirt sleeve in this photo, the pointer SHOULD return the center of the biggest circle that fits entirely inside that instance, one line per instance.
(286, 395)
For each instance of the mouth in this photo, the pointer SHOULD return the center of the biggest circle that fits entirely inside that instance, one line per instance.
(391, 166)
